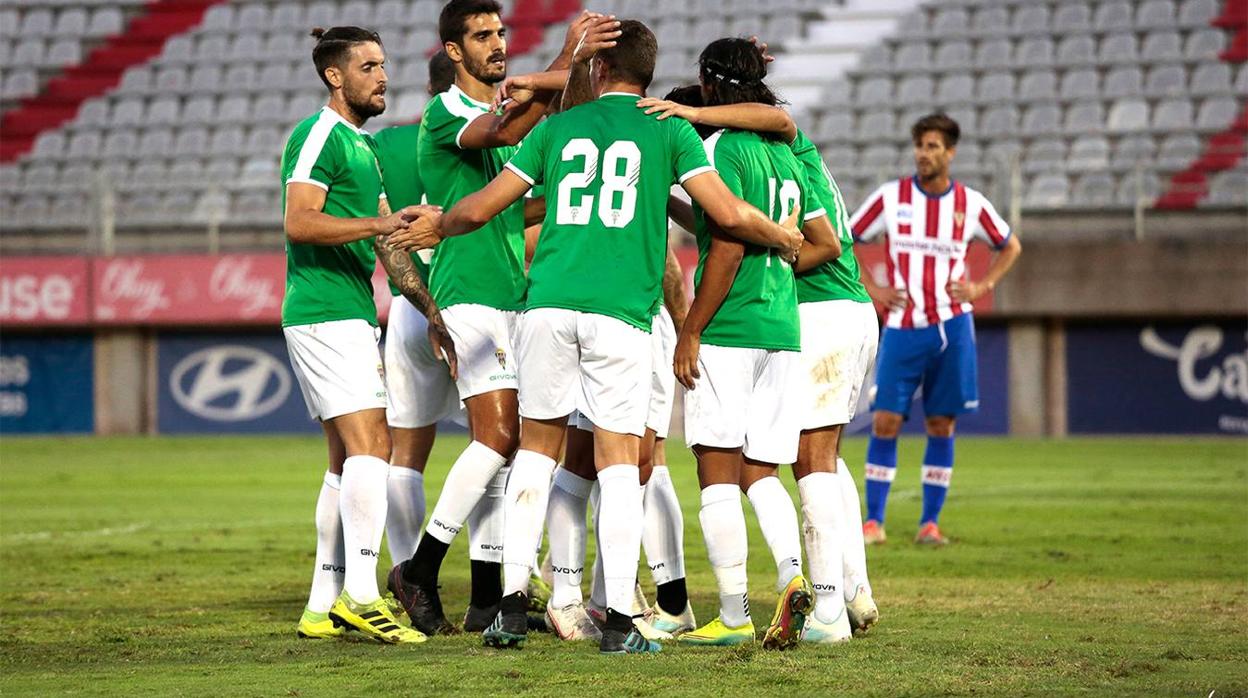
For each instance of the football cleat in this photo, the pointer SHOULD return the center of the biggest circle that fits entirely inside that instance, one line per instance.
(511, 625)
(796, 602)
(862, 610)
(632, 642)
(873, 532)
(478, 619)
(672, 625)
(644, 626)
(317, 626)
(373, 619)
(929, 534)
(717, 634)
(640, 604)
(539, 593)
(833, 633)
(572, 623)
(597, 613)
(422, 604)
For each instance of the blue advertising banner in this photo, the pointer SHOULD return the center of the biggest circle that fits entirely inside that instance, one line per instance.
(46, 384)
(228, 383)
(992, 343)
(1163, 378)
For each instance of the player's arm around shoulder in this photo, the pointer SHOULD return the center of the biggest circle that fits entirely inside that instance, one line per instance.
(740, 220)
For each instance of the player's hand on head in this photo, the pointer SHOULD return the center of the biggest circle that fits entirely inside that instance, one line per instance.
(576, 29)
(666, 108)
(762, 49)
(600, 34)
(685, 360)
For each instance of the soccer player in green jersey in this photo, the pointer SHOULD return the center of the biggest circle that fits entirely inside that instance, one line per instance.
(479, 284)
(420, 391)
(333, 195)
(584, 339)
(839, 337)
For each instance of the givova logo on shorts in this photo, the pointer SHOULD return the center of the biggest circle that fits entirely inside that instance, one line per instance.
(230, 383)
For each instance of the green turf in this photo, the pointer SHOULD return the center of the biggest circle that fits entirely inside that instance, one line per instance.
(179, 566)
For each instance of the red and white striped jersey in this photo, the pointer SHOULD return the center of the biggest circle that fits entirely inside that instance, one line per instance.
(926, 238)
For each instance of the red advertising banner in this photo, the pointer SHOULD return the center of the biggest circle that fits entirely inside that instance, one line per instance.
(44, 291)
(189, 289)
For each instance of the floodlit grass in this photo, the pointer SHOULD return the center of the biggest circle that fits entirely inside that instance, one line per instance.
(163, 566)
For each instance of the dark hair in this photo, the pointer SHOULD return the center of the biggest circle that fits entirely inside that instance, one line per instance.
(453, 22)
(441, 72)
(948, 128)
(632, 58)
(691, 96)
(334, 44)
(734, 69)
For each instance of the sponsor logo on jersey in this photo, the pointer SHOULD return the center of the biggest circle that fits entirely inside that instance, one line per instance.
(905, 213)
(230, 383)
(501, 355)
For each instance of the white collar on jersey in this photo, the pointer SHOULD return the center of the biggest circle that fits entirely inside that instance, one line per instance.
(456, 92)
(326, 110)
(620, 94)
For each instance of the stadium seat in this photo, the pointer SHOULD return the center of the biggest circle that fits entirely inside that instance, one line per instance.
(1085, 117)
(36, 23)
(84, 145)
(1211, 79)
(1089, 153)
(1161, 46)
(1080, 84)
(157, 142)
(1031, 19)
(1173, 115)
(1229, 188)
(218, 19)
(128, 112)
(953, 21)
(996, 87)
(1115, 15)
(1166, 81)
(836, 125)
(1047, 191)
(1198, 13)
(49, 145)
(1217, 113)
(1035, 52)
(840, 157)
(878, 126)
(967, 118)
(1155, 14)
(953, 55)
(1177, 151)
(1038, 85)
(993, 54)
(10, 22)
(955, 88)
(916, 89)
(105, 21)
(120, 144)
(1045, 155)
(204, 109)
(1124, 82)
(64, 53)
(874, 92)
(1119, 48)
(39, 177)
(1078, 49)
(911, 56)
(71, 22)
(1241, 80)
(288, 16)
(164, 111)
(1128, 115)
(1042, 119)
(991, 20)
(1139, 185)
(1074, 17)
(879, 157)
(1204, 45)
(999, 121)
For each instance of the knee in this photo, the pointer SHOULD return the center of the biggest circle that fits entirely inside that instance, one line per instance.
(502, 438)
(886, 424)
(940, 426)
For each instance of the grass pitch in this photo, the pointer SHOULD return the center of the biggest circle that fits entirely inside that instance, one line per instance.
(179, 566)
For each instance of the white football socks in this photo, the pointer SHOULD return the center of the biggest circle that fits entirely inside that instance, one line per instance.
(566, 529)
(485, 523)
(598, 585)
(663, 532)
(823, 524)
(723, 527)
(620, 534)
(528, 489)
(405, 511)
(778, 520)
(328, 572)
(853, 547)
(362, 502)
(465, 484)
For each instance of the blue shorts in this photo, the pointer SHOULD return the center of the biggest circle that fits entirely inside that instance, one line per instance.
(940, 358)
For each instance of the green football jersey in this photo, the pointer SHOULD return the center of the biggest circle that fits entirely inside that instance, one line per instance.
(607, 170)
(836, 279)
(396, 151)
(760, 310)
(332, 282)
(485, 267)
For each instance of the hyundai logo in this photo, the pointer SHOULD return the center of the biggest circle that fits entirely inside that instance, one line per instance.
(230, 383)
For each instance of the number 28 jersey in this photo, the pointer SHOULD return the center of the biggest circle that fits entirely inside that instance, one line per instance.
(607, 168)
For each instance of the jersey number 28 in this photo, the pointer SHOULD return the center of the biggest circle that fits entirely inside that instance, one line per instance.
(576, 210)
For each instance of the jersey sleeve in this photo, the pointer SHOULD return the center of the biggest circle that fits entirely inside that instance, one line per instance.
(868, 221)
(529, 161)
(690, 158)
(726, 161)
(318, 159)
(446, 118)
(812, 205)
(989, 226)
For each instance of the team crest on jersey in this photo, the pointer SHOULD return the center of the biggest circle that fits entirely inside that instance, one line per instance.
(501, 356)
(959, 218)
(905, 213)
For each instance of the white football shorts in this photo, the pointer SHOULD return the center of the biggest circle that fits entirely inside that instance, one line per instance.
(484, 338)
(839, 341)
(419, 384)
(338, 365)
(745, 399)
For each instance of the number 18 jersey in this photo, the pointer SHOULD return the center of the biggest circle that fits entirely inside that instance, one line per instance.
(607, 168)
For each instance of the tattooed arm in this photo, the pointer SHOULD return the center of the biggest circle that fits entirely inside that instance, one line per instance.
(402, 272)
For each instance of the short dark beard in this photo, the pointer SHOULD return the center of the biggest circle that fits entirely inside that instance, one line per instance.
(477, 71)
(363, 110)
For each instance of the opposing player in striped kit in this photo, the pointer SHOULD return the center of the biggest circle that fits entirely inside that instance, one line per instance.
(927, 221)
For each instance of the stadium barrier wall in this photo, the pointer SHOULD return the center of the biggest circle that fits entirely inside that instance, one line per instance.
(189, 344)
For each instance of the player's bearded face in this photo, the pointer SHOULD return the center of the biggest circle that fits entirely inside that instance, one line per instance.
(364, 81)
(485, 48)
(931, 157)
